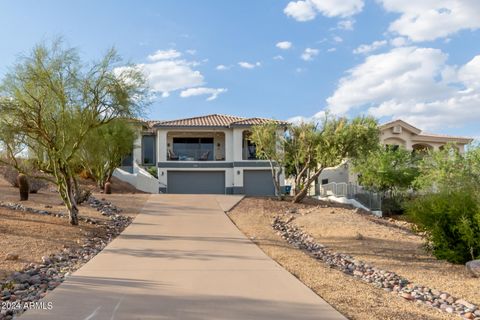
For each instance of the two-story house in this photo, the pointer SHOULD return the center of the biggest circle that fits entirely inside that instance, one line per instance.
(206, 154)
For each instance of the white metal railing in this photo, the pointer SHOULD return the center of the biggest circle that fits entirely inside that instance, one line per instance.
(371, 200)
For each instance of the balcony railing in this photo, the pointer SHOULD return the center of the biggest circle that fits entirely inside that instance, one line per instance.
(191, 155)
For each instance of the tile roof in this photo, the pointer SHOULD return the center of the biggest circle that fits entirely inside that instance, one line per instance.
(214, 120)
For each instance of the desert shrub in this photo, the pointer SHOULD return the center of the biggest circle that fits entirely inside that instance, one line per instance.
(451, 221)
(153, 171)
(10, 174)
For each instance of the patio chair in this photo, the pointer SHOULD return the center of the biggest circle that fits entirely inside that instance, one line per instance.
(172, 155)
(204, 156)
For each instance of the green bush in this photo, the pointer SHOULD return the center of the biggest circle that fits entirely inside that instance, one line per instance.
(451, 221)
(153, 171)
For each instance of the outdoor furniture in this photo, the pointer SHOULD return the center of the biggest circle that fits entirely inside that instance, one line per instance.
(204, 156)
(172, 155)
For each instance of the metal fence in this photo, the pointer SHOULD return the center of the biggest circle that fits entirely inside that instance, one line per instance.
(369, 199)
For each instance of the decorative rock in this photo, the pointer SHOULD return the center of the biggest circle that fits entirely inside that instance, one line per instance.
(388, 281)
(406, 296)
(32, 283)
(465, 304)
(473, 267)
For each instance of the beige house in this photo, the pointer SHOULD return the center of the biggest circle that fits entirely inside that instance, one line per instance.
(397, 133)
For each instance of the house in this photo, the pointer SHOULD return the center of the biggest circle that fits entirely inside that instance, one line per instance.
(209, 154)
(397, 133)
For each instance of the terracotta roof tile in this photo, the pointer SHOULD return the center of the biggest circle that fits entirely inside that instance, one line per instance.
(213, 120)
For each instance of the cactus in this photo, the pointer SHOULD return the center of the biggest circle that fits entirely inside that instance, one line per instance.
(23, 186)
(107, 188)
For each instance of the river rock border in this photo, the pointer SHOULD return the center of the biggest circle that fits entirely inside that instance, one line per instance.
(28, 286)
(386, 280)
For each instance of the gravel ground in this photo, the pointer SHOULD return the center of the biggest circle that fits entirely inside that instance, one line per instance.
(353, 298)
(388, 248)
(32, 236)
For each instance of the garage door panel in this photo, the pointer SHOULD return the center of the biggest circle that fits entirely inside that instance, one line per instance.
(258, 183)
(196, 182)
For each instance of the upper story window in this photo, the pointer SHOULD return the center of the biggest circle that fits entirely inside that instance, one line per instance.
(148, 150)
(192, 149)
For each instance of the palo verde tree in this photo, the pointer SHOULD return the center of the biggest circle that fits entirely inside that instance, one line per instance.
(329, 143)
(53, 101)
(104, 149)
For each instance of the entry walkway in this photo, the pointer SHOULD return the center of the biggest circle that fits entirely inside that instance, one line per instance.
(182, 258)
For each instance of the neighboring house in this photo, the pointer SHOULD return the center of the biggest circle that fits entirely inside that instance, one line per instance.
(400, 134)
(206, 154)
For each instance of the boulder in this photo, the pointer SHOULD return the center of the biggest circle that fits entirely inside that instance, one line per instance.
(473, 267)
(11, 256)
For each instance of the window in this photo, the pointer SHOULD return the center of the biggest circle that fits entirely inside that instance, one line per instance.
(193, 149)
(324, 181)
(148, 150)
(392, 147)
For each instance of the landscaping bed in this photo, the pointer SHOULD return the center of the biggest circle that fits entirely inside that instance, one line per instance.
(38, 246)
(383, 244)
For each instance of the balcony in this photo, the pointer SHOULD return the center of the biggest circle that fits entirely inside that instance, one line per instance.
(205, 146)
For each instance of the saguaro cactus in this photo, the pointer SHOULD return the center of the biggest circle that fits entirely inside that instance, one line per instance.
(23, 186)
(107, 188)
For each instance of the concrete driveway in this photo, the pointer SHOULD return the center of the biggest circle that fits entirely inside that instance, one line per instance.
(182, 258)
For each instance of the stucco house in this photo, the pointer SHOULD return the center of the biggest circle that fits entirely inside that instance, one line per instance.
(397, 133)
(206, 154)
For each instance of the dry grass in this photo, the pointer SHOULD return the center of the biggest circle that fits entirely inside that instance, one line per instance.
(353, 298)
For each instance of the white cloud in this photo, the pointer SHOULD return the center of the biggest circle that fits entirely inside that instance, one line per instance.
(305, 10)
(222, 67)
(337, 39)
(399, 42)
(164, 55)
(332, 50)
(166, 73)
(284, 45)
(367, 48)
(346, 24)
(309, 53)
(191, 51)
(428, 20)
(415, 84)
(278, 57)
(212, 92)
(319, 116)
(248, 65)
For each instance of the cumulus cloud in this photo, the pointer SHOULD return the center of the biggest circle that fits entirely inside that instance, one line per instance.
(309, 53)
(222, 67)
(346, 24)
(398, 42)
(200, 91)
(278, 57)
(284, 45)
(248, 65)
(427, 20)
(415, 84)
(167, 72)
(367, 48)
(305, 10)
(164, 55)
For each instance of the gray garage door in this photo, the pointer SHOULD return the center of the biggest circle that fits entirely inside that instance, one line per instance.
(211, 182)
(258, 183)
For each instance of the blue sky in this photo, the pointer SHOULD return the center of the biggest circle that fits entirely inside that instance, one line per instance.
(419, 61)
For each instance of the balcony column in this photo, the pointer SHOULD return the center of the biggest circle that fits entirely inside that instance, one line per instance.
(161, 145)
(237, 144)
